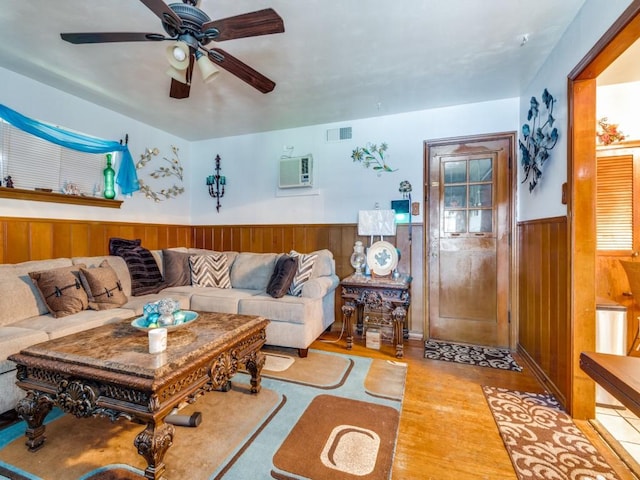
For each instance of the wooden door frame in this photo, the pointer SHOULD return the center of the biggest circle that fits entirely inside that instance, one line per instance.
(513, 185)
(581, 179)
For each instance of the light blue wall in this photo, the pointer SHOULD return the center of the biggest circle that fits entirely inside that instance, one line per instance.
(342, 187)
(47, 104)
(593, 20)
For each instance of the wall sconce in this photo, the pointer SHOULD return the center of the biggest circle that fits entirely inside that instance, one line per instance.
(216, 184)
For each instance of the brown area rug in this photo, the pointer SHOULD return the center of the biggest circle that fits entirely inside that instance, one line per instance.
(240, 434)
(542, 440)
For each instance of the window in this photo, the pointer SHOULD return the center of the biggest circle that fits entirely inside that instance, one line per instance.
(618, 184)
(35, 163)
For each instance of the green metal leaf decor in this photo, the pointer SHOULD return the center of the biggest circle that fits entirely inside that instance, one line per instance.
(372, 156)
(537, 139)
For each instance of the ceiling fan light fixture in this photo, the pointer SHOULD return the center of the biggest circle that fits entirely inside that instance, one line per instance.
(178, 55)
(179, 75)
(207, 68)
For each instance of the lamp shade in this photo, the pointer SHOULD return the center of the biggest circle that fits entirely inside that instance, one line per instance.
(376, 222)
(178, 55)
(207, 68)
(179, 75)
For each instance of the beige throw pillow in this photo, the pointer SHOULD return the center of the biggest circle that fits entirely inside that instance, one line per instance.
(103, 287)
(61, 290)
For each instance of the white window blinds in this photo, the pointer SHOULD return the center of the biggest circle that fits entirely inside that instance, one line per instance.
(35, 163)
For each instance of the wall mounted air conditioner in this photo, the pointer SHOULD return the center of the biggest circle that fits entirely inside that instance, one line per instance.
(296, 172)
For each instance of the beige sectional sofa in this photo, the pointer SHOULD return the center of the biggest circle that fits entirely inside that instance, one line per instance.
(295, 321)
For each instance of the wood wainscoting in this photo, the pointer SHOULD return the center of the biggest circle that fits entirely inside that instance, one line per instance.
(543, 303)
(23, 239)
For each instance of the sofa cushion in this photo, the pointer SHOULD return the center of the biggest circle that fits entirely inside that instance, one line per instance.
(13, 339)
(176, 269)
(61, 290)
(289, 309)
(221, 300)
(143, 268)
(282, 276)
(303, 272)
(75, 323)
(19, 297)
(252, 270)
(103, 287)
(210, 270)
(324, 264)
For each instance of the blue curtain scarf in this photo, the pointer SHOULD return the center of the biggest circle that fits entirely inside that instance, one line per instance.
(127, 177)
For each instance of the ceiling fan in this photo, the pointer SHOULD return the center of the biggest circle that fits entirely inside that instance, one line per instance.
(191, 29)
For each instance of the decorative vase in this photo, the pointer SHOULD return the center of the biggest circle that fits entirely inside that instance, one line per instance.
(358, 258)
(109, 180)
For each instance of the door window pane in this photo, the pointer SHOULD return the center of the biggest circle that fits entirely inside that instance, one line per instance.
(455, 172)
(480, 221)
(481, 170)
(455, 221)
(480, 195)
(455, 196)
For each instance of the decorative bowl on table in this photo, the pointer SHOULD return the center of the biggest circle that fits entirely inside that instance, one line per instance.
(182, 318)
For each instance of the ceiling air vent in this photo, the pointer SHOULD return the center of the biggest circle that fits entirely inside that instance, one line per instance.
(337, 134)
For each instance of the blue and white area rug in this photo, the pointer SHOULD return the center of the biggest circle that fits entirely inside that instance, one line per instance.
(492, 357)
(328, 416)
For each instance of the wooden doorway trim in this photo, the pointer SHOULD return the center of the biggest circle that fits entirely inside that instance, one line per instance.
(513, 183)
(581, 178)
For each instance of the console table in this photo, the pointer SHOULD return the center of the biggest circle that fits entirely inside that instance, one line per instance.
(387, 294)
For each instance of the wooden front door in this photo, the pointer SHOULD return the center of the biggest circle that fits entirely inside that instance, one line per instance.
(468, 244)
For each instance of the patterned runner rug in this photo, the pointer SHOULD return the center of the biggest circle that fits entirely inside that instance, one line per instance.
(471, 355)
(542, 440)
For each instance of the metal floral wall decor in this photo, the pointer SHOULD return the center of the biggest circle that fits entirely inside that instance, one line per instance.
(174, 169)
(538, 138)
(373, 156)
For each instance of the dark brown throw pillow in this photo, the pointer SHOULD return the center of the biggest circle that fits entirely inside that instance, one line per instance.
(116, 243)
(283, 273)
(143, 269)
(177, 272)
(103, 287)
(61, 290)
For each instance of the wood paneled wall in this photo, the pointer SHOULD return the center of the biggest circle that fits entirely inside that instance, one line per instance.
(23, 239)
(543, 303)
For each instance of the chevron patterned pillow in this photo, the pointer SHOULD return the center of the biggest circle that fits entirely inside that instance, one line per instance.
(210, 270)
(303, 273)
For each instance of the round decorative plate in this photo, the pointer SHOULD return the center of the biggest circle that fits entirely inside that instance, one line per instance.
(382, 258)
(141, 322)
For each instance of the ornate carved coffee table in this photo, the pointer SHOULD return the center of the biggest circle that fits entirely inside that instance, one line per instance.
(107, 371)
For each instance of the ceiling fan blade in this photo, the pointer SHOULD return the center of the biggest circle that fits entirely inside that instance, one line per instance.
(163, 12)
(178, 89)
(104, 37)
(261, 22)
(241, 70)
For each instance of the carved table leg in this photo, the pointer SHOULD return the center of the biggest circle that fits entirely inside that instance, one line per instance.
(33, 409)
(347, 312)
(152, 443)
(399, 314)
(254, 365)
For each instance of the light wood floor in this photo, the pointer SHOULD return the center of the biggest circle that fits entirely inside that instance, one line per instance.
(447, 431)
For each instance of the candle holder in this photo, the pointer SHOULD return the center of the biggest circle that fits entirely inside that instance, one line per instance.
(216, 184)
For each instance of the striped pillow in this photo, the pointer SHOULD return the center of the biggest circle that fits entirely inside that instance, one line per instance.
(210, 270)
(303, 272)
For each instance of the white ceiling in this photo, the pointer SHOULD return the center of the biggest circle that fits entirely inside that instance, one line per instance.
(337, 59)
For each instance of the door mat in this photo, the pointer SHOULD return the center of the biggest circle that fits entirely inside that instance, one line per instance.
(471, 355)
